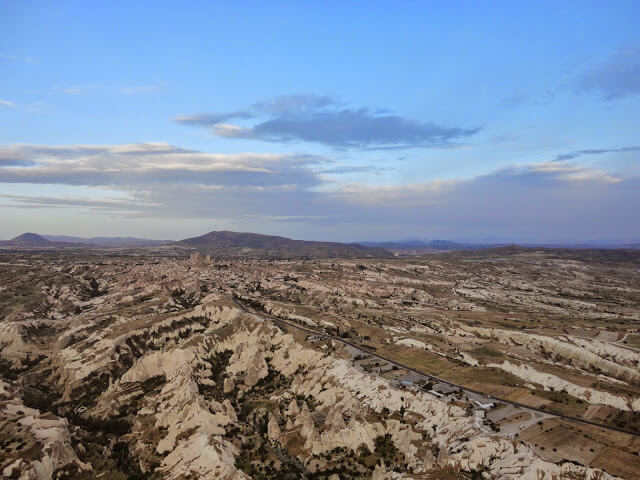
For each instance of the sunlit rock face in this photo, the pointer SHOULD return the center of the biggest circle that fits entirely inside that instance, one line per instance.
(41, 442)
(195, 426)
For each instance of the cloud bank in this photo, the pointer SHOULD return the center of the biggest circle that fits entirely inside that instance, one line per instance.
(321, 119)
(552, 200)
(149, 164)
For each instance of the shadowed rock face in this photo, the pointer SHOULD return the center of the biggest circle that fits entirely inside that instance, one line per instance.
(145, 368)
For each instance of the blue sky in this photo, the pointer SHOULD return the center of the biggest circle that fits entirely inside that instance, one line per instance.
(376, 121)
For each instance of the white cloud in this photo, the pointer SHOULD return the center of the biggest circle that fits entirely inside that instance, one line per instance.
(231, 131)
(150, 163)
(6, 103)
(398, 196)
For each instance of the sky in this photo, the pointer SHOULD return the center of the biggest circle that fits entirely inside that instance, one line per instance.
(345, 121)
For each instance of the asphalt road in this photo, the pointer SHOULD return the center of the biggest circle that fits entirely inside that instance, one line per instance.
(432, 377)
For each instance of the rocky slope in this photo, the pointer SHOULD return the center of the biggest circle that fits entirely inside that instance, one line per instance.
(122, 368)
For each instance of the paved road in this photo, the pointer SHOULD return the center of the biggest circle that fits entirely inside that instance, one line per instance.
(432, 377)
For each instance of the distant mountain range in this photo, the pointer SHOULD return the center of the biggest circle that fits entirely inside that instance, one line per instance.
(108, 241)
(216, 244)
(440, 245)
(447, 245)
(255, 245)
(30, 240)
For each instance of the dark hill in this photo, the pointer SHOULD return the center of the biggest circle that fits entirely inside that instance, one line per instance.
(29, 240)
(35, 241)
(252, 245)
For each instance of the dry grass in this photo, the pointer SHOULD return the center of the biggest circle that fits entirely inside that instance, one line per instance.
(633, 340)
(422, 360)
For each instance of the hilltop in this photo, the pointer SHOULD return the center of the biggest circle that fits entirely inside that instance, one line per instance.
(236, 244)
(29, 240)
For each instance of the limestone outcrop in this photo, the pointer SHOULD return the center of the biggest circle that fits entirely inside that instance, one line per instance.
(45, 435)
